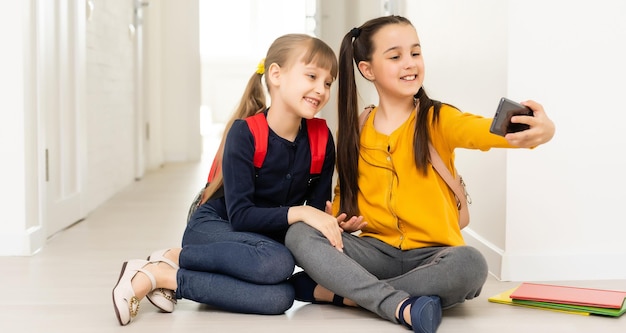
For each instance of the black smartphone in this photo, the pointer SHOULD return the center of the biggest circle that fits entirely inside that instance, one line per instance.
(501, 124)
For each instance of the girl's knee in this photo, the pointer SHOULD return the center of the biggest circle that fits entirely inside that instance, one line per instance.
(470, 275)
(281, 302)
(297, 234)
(477, 264)
(469, 265)
(278, 266)
(286, 302)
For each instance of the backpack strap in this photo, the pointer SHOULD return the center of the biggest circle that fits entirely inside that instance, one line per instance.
(363, 116)
(317, 131)
(216, 167)
(456, 184)
(260, 132)
(318, 138)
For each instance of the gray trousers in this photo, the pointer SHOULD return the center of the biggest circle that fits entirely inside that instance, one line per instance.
(378, 276)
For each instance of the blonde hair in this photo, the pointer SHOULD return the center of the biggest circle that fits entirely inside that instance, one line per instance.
(282, 52)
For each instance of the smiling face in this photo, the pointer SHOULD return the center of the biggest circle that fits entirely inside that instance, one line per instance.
(303, 88)
(396, 67)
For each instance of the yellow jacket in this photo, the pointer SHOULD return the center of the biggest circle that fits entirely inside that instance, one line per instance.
(401, 206)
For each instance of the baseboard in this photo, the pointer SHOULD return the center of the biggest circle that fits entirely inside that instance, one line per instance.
(506, 266)
(24, 243)
(492, 253)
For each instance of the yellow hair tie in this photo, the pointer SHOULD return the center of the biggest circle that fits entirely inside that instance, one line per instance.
(260, 68)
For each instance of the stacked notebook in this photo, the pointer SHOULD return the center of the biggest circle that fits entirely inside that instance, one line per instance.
(582, 301)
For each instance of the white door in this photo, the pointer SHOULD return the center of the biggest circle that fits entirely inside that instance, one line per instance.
(60, 77)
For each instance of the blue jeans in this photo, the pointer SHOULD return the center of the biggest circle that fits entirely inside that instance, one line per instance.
(241, 272)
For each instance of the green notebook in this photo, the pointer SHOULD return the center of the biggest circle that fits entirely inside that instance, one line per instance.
(568, 307)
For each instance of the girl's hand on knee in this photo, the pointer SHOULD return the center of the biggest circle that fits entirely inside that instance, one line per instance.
(327, 225)
(321, 221)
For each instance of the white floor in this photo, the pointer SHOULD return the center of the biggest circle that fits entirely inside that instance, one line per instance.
(67, 286)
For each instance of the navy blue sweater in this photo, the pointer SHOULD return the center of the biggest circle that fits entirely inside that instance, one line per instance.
(258, 200)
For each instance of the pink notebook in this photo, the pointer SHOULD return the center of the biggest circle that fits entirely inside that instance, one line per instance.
(612, 299)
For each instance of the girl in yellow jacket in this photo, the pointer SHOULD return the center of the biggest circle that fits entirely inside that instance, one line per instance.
(409, 261)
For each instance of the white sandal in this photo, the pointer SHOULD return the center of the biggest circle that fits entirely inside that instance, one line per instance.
(164, 299)
(125, 303)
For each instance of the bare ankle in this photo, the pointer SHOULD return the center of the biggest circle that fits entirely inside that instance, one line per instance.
(349, 302)
(173, 255)
(165, 275)
(322, 294)
(406, 313)
(141, 283)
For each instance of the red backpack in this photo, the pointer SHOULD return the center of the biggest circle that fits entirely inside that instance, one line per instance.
(318, 138)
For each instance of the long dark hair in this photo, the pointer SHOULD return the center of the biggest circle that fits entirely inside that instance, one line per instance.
(356, 46)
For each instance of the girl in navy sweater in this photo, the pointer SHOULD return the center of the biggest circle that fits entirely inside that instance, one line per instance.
(232, 254)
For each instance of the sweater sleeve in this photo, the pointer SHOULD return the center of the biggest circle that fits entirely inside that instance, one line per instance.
(239, 186)
(465, 130)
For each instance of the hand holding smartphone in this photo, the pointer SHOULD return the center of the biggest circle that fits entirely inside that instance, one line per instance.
(501, 124)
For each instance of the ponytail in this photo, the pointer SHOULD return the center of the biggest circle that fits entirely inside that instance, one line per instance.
(421, 134)
(347, 129)
(252, 102)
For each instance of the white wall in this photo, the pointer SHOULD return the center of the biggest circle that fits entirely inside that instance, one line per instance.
(180, 84)
(171, 96)
(171, 79)
(109, 111)
(230, 59)
(552, 213)
(18, 171)
(172, 91)
(109, 101)
(577, 68)
(152, 78)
